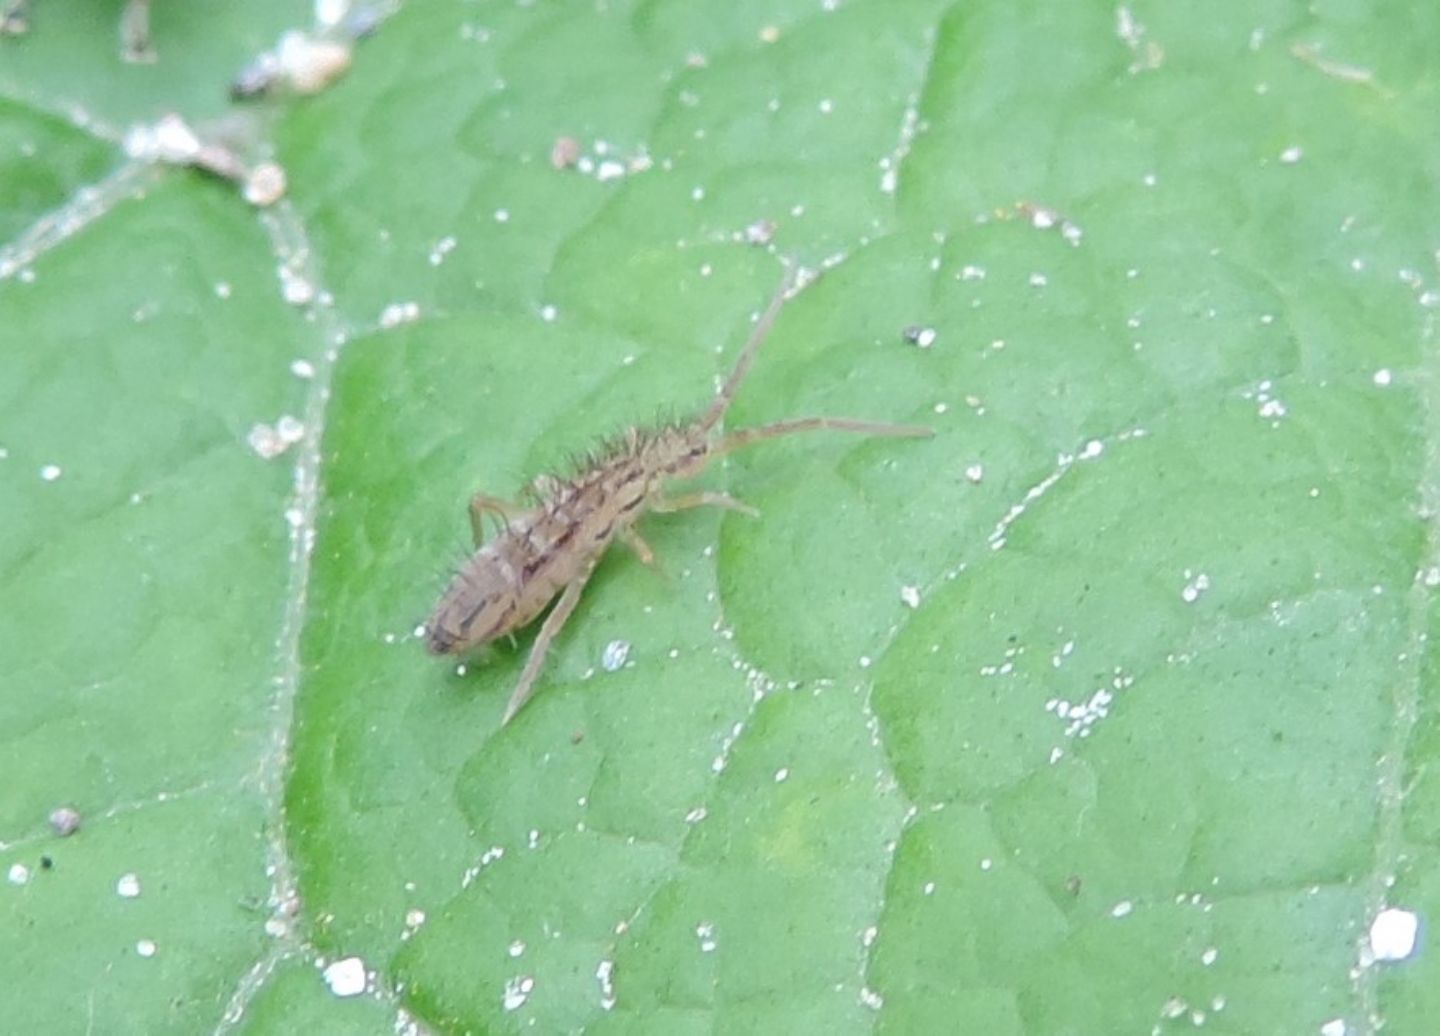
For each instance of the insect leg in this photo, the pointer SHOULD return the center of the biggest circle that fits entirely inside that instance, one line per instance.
(636, 543)
(553, 624)
(480, 504)
(688, 500)
(745, 436)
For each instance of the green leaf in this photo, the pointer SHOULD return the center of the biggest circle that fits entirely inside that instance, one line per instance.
(1107, 709)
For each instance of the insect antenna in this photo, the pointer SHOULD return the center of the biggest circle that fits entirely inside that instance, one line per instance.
(717, 409)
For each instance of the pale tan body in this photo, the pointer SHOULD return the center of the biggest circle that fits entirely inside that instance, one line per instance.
(552, 547)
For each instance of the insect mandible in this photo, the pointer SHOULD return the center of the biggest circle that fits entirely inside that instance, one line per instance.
(550, 544)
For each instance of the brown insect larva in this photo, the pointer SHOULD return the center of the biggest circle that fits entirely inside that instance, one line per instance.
(551, 544)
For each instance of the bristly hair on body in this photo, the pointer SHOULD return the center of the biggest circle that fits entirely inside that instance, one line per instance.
(627, 441)
(612, 447)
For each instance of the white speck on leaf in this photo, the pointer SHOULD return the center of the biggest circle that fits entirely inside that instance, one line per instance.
(270, 442)
(1270, 407)
(290, 429)
(1291, 155)
(1382, 377)
(1194, 587)
(64, 821)
(760, 232)
(1173, 1008)
(442, 248)
(19, 874)
(50, 472)
(308, 64)
(346, 977)
(924, 337)
(488, 857)
(603, 974)
(295, 288)
(128, 887)
(398, 313)
(705, 932)
(1127, 27)
(890, 164)
(169, 140)
(910, 595)
(1392, 934)
(328, 13)
(145, 948)
(1146, 54)
(265, 184)
(1122, 908)
(614, 655)
(517, 991)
